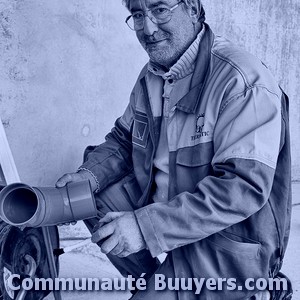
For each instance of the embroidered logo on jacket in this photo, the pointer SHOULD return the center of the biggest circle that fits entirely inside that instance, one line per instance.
(200, 132)
(140, 129)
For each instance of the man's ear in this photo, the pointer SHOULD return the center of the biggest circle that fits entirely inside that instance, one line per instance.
(194, 10)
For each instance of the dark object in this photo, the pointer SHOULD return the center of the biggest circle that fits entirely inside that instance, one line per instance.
(4, 228)
(53, 268)
(61, 251)
(280, 294)
(16, 246)
(30, 271)
(58, 252)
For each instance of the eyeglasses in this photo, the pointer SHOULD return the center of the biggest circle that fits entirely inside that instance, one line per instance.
(160, 14)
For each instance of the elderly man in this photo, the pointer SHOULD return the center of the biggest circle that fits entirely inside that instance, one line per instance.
(198, 166)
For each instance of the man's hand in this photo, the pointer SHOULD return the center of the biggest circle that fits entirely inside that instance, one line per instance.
(120, 234)
(75, 177)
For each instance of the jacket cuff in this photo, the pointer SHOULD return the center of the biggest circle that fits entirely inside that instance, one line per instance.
(93, 175)
(148, 231)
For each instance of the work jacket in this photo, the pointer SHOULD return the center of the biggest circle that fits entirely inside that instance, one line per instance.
(228, 212)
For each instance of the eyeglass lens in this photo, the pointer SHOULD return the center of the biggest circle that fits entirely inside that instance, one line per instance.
(158, 15)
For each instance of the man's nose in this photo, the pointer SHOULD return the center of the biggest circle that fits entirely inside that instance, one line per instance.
(149, 27)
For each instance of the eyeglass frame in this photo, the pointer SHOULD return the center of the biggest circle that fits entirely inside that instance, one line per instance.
(172, 8)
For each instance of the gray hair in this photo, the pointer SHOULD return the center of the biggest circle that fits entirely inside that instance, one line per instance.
(188, 3)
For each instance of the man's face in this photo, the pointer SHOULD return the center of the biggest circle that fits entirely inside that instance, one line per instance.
(165, 43)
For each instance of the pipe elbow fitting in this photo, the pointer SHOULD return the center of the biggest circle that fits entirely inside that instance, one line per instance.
(25, 206)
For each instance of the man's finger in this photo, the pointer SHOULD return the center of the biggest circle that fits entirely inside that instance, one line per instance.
(117, 250)
(61, 182)
(110, 216)
(124, 254)
(109, 244)
(103, 232)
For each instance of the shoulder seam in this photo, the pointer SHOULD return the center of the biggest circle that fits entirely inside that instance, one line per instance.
(233, 65)
(237, 95)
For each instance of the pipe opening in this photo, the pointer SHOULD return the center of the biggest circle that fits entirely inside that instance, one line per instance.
(20, 205)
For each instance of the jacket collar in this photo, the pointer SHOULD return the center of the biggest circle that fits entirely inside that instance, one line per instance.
(184, 66)
(188, 103)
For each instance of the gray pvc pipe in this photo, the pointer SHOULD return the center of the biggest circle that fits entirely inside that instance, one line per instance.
(26, 206)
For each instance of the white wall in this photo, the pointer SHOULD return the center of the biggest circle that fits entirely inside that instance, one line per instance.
(270, 30)
(66, 71)
(67, 68)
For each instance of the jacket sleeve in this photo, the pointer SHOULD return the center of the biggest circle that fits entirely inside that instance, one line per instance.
(246, 145)
(112, 160)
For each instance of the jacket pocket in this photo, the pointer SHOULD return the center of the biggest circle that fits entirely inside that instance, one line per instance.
(195, 156)
(192, 165)
(235, 244)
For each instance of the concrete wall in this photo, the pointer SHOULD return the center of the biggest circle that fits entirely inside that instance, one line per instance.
(270, 30)
(67, 68)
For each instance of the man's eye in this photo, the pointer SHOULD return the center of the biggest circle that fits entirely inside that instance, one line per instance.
(160, 11)
(137, 16)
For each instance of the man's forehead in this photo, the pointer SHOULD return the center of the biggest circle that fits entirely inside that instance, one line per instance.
(142, 4)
